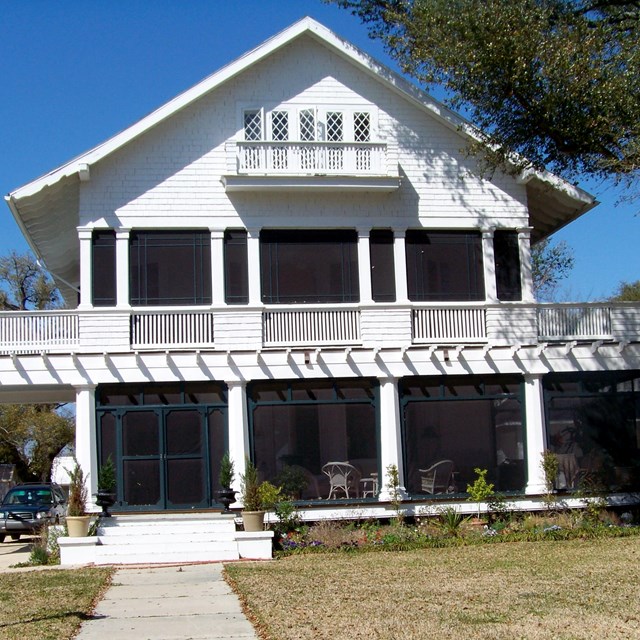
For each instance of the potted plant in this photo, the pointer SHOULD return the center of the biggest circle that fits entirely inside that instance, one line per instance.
(106, 495)
(226, 495)
(480, 490)
(77, 517)
(252, 511)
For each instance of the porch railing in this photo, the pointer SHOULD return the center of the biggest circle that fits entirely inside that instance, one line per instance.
(172, 329)
(438, 324)
(33, 331)
(318, 327)
(334, 158)
(574, 321)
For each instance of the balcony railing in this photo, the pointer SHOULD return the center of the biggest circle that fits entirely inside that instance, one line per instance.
(295, 158)
(33, 331)
(291, 328)
(574, 321)
(172, 329)
(446, 324)
(117, 330)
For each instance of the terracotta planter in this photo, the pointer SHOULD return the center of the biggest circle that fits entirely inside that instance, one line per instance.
(253, 520)
(78, 526)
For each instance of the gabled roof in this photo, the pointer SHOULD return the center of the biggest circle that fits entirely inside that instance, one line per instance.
(46, 209)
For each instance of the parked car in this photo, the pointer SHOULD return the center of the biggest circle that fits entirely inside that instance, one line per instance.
(28, 507)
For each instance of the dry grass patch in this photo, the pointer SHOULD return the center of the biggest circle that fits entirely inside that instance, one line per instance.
(575, 589)
(43, 605)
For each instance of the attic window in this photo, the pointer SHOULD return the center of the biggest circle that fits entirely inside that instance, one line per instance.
(253, 124)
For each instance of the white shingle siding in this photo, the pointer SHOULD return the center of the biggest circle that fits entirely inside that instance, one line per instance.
(170, 176)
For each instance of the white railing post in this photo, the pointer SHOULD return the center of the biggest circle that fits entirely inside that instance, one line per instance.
(238, 429)
(390, 440)
(86, 444)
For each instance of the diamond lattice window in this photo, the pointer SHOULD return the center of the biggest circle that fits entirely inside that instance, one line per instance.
(253, 125)
(307, 125)
(334, 127)
(280, 125)
(361, 127)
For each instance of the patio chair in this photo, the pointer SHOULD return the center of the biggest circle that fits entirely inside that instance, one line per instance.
(342, 477)
(438, 478)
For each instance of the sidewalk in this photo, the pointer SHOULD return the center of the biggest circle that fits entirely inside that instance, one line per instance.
(166, 603)
(14, 552)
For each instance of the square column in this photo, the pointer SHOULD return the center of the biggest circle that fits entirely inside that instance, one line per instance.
(122, 268)
(217, 267)
(86, 268)
(238, 430)
(86, 439)
(535, 435)
(400, 266)
(364, 266)
(390, 440)
(253, 260)
(524, 244)
(489, 263)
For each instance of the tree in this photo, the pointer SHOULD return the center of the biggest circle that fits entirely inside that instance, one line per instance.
(554, 81)
(25, 284)
(31, 436)
(627, 292)
(550, 263)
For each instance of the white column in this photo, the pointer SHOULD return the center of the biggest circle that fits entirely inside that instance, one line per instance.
(400, 266)
(489, 262)
(524, 244)
(238, 429)
(253, 260)
(364, 266)
(86, 269)
(217, 267)
(390, 440)
(122, 267)
(535, 433)
(86, 439)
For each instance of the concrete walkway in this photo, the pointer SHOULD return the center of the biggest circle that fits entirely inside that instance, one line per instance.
(166, 603)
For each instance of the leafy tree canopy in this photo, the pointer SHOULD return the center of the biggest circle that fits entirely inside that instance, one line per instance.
(24, 284)
(627, 292)
(550, 263)
(31, 436)
(556, 81)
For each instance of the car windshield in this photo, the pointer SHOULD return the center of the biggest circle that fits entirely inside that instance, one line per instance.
(28, 497)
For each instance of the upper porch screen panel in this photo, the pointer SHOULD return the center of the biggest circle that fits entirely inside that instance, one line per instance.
(170, 268)
(300, 267)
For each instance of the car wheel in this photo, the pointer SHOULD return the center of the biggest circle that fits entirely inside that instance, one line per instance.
(1, 537)
(15, 536)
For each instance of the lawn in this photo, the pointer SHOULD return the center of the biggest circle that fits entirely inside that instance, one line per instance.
(51, 604)
(570, 589)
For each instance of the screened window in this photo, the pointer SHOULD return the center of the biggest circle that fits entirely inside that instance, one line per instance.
(507, 259)
(103, 276)
(383, 279)
(236, 275)
(300, 267)
(444, 266)
(170, 268)
(466, 423)
(299, 427)
(593, 426)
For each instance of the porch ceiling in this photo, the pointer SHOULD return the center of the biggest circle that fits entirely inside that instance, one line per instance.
(41, 394)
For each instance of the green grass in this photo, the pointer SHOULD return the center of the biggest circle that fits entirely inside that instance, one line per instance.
(575, 589)
(51, 604)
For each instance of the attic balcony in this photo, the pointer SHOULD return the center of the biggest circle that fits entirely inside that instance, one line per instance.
(315, 326)
(310, 166)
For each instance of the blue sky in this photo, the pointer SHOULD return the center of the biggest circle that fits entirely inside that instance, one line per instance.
(73, 74)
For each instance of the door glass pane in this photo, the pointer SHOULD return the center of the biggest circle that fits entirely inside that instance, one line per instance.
(185, 484)
(184, 432)
(141, 482)
(383, 279)
(107, 437)
(236, 274)
(140, 434)
(507, 259)
(104, 268)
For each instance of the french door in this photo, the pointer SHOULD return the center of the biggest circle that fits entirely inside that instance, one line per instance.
(166, 457)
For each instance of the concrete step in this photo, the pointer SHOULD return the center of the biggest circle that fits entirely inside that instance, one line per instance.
(166, 552)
